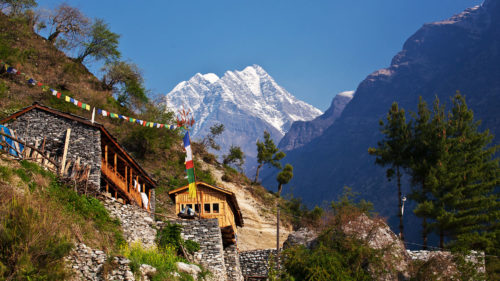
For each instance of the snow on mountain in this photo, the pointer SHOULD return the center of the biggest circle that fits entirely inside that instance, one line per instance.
(247, 102)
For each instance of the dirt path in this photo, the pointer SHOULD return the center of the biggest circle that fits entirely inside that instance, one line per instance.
(259, 231)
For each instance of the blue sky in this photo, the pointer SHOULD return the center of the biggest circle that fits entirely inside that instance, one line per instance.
(314, 49)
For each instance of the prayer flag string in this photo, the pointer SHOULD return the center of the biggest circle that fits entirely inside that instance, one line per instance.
(31, 81)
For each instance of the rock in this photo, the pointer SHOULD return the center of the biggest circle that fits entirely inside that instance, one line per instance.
(303, 236)
(379, 236)
(190, 269)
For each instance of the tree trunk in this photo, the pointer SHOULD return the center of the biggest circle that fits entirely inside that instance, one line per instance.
(401, 233)
(424, 224)
(441, 239)
(257, 173)
(53, 36)
(278, 229)
(424, 233)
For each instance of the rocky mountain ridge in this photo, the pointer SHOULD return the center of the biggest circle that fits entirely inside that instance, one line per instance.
(247, 102)
(302, 132)
(461, 53)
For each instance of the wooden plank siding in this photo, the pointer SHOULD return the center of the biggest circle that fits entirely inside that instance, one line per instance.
(205, 195)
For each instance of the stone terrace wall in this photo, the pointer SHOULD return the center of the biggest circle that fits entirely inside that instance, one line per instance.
(206, 232)
(137, 223)
(85, 141)
(474, 257)
(255, 263)
(232, 261)
(87, 264)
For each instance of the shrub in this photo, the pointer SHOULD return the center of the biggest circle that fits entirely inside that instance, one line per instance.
(170, 236)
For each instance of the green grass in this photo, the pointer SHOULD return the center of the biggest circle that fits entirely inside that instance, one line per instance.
(163, 259)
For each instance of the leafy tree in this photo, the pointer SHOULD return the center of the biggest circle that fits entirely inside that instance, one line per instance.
(393, 151)
(267, 153)
(68, 22)
(125, 79)
(283, 177)
(100, 44)
(215, 131)
(17, 7)
(235, 156)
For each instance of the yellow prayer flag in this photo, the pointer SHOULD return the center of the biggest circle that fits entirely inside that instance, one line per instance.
(67, 98)
(192, 190)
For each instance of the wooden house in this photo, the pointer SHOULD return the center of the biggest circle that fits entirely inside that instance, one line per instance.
(212, 202)
(58, 134)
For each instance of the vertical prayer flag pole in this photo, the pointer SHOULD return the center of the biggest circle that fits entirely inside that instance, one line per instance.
(190, 166)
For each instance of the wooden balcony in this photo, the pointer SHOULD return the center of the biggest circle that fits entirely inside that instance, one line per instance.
(120, 183)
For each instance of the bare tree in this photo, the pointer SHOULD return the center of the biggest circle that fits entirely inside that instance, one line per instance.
(16, 7)
(68, 21)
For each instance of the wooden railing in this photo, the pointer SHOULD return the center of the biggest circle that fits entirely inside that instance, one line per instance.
(120, 182)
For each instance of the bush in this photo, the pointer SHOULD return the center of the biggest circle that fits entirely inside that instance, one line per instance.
(336, 257)
(170, 236)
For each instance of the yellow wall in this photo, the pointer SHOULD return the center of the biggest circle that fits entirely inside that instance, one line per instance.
(208, 196)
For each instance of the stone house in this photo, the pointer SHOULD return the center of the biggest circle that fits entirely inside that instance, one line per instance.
(112, 168)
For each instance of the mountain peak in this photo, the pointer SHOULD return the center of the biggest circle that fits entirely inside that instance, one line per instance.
(248, 102)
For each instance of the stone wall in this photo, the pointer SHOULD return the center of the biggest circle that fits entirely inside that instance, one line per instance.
(256, 263)
(85, 141)
(232, 261)
(206, 232)
(137, 223)
(476, 258)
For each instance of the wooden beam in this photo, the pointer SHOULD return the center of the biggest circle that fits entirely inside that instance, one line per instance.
(65, 152)
(106, 154)
(115, 160)
(126, 179)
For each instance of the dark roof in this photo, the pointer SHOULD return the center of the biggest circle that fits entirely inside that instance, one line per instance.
(89, 123)
(233, 203)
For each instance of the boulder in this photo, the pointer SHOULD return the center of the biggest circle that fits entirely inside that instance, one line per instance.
(190, 269)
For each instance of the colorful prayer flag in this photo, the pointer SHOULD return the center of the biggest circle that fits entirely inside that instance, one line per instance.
(190, 166)
(67, 98)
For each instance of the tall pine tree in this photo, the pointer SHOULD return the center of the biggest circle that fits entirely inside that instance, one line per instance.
(393, 150)
(471, 207)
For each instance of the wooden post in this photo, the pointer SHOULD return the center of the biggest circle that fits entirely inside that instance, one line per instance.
(43, 145)
(115, 161)
(126, 182)
(65, 152)
(107, 187)
(16, 144)
(149, 199)
(106, 154)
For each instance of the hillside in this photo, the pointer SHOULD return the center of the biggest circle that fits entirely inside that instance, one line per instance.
(159, 151)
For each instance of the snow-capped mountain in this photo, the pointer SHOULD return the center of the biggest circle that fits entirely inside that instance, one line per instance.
(247, 102)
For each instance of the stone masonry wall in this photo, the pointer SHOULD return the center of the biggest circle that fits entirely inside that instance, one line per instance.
(206, 232)
(85, 141)
(474, 257)
(255, 263)
(137, 223)
(232, 261)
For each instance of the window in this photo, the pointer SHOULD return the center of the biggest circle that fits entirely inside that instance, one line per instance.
(215, 207)
(207, 208)
(182, 207)
(189, 206)
(197, 208)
